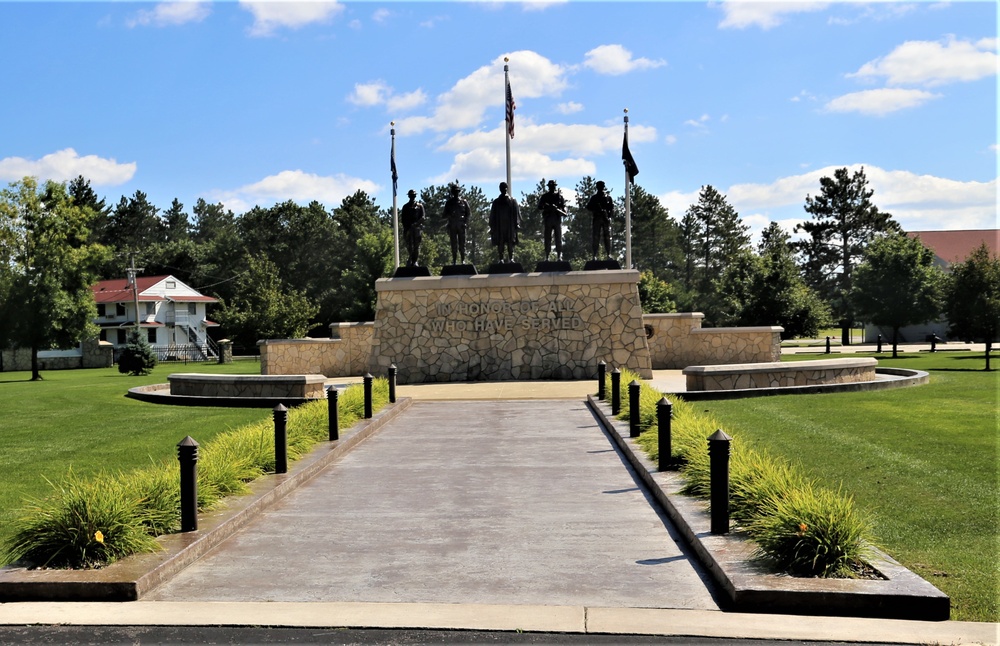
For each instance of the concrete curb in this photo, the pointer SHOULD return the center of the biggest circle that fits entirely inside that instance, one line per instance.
(132, 577)
(748, 587)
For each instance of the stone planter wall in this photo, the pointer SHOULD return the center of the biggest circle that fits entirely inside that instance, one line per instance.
(247, 386)
(94, 354)
(780, 375)
(507, 327)
(678, 341)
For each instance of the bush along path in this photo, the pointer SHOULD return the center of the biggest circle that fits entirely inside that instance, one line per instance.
(89, 523)
(798, 527)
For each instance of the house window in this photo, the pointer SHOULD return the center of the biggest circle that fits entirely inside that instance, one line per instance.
(171, 284)
(192, 308)
(150, 309)
(120, 309)
(104, 335)
(151, 334)
(121, 337)
(100, 309)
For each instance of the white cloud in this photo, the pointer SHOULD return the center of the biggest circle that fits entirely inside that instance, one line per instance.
(671, 140)
(616, 60)
(65, 165)
(880, 102)
(465, 104)
(740, 14)
(917, 202)
(381, 15)
(294, 185)
(271, 15)
(485, 165)
(699, 122)
(380, 93)
(169, 14)
(570, 107)
(541, 5)
(932, 63)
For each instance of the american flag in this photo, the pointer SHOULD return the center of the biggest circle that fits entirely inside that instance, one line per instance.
(510, 112)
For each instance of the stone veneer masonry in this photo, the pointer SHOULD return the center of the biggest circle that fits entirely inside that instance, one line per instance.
(678, 340)
(93, 354)
(508, 326)
(675, 341)
(237, 386)
(780, 375)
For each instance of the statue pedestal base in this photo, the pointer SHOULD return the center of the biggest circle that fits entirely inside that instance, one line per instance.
(411, 272)
(505, 268)
(553, 265)
(594, 265)
(459, 270)
(509, 327)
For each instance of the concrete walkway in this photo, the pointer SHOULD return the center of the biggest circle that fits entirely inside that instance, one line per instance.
(462, 502)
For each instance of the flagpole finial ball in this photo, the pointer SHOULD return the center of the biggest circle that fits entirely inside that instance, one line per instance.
(506, 60)
(626, 110)
(392, 123)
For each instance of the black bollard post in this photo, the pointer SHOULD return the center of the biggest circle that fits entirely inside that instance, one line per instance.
(879, 348)
(718, 456)
(392, 384)
(616, 391)
(187, 455)
(664, 413)
(602, 371)
(368, 395)
(280, 439)
(332, 413)
(633, 408)
(828, 345)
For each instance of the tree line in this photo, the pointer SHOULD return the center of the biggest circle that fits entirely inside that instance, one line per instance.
(289, 270)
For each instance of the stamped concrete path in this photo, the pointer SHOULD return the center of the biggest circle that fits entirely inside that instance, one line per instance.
(474, 502)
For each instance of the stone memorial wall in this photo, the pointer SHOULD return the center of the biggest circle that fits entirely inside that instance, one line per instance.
(507, 327)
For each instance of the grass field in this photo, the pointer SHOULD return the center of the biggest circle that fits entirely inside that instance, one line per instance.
(923, 460)
(81, 420)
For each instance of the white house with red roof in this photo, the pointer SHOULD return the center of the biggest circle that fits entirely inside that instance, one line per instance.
(171, 314)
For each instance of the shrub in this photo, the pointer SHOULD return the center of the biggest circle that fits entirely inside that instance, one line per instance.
(798, 527)
(138, 357)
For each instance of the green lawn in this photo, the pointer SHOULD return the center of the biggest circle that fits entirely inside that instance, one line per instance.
(81, 420)
(923, 460)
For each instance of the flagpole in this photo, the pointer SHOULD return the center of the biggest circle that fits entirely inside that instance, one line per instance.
(628, 209)
(507, 117)
(395, 213)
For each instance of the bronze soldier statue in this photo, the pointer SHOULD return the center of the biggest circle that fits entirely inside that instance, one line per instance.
(601, 207)
(456, 212)
(553, 208)
(412, 216)
(505, 220)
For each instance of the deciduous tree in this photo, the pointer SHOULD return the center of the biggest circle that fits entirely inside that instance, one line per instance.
(972, 299)
(897, 284)
(51, 264)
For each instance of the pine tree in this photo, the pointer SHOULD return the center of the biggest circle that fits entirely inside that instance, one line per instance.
(655, 235)
(844, 221)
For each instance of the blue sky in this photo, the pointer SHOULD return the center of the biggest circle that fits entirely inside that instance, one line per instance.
(257, 102)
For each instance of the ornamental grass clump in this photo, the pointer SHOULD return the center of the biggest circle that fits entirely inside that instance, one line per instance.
(88, 523)
(798, 527)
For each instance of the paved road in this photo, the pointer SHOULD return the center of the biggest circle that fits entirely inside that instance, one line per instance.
(481, 502)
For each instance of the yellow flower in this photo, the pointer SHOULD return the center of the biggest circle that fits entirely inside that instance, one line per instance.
(802, 530)
(99, 537)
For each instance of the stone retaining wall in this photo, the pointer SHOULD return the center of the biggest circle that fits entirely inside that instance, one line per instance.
(678, 340)
(780, 375)
(203, 385)
(509, 327)
(345, 354)
(94, 354)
